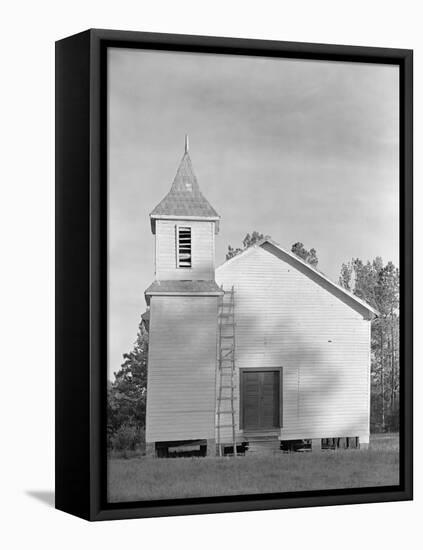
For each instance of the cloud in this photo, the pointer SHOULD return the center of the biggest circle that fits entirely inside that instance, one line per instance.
(300, 150)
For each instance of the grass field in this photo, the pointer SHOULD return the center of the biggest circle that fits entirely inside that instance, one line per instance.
(152, 479)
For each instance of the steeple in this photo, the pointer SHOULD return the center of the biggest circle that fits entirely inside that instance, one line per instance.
(184, 200)
(183, 300)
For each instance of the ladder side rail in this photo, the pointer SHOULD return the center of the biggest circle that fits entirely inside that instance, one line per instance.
(226, 361)
(219, 401)
(233, 372)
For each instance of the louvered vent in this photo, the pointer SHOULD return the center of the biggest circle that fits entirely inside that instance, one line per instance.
(184, 247)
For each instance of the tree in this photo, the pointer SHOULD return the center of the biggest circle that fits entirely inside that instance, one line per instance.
(248, 241)
(127, 394)
(387, 330)
(378, 285)
(309, 256)
(346, 276)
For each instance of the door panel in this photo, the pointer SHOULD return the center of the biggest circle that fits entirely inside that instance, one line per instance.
(251, 399)
(261, 405)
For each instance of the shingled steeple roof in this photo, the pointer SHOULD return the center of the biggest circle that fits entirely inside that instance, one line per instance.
(184, 199)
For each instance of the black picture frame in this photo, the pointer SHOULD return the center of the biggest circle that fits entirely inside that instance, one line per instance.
(81, 274)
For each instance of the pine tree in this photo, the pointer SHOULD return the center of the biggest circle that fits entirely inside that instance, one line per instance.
(378, 285)
(346, 276)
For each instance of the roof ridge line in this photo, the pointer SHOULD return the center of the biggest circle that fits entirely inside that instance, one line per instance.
(296, 258)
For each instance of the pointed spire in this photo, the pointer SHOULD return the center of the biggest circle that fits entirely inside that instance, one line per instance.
(184, 198)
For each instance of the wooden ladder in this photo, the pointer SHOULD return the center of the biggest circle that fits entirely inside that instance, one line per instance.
(225, 410)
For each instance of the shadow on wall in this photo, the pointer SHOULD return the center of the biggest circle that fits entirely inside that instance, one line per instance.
(321, 407)
(322, 388)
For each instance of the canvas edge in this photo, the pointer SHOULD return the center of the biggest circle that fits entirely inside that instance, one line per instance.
(72, 212)
(98, 509)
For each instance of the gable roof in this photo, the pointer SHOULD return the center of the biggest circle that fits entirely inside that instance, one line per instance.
(184, 199)
(274, 248)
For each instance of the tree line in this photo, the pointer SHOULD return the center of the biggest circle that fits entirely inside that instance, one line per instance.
(374, 282)
(378, 284)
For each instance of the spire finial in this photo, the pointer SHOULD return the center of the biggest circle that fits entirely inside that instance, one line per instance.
(186, 143)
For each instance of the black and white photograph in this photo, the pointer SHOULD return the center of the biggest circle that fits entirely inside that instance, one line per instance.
(253, 253)
(210, 237)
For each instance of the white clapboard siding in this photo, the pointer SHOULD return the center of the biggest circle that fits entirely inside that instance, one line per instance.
(285, 319)
(202, 250)
(181, 368)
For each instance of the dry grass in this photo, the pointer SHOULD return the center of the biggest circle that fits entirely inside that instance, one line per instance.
(153, 479)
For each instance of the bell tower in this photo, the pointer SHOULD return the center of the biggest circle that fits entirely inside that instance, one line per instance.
(185, 225)
(183, 302)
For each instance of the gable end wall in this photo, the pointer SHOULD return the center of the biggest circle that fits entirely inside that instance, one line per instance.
(284, 319)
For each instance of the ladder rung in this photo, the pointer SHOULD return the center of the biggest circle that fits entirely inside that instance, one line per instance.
(225, 426)
(230, 387)
(226, 398)
(227, 336)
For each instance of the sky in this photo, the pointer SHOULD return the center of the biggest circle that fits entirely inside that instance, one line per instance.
(298, 150)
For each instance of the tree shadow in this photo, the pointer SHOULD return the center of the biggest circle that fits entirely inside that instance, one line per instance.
(283, 320)
(46, 497)
(311, 378)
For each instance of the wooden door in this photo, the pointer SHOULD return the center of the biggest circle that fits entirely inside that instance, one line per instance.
(260, 400)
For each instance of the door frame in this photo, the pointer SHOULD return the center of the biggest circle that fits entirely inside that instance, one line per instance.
(241, 393)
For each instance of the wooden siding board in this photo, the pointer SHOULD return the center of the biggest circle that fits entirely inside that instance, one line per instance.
(202, 249)
(284, 319)
(182, 368)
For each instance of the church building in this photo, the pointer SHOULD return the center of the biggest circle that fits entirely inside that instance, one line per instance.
(262, 352)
